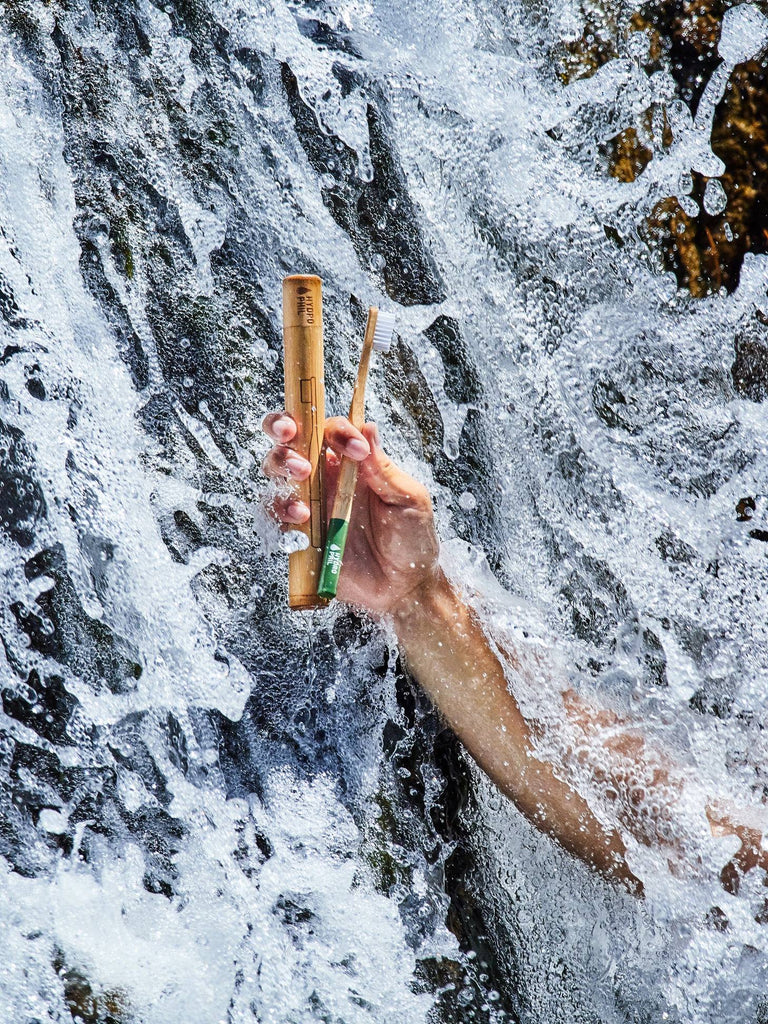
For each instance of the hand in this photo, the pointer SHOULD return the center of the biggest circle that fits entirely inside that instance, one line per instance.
(392, 547)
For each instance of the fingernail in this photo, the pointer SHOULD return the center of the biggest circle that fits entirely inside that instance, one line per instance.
(297, 466)
(296, 512)
(357, 449)
(376, 436)
(282, 426)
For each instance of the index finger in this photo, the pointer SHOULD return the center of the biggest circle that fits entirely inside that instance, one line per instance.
(280, 426)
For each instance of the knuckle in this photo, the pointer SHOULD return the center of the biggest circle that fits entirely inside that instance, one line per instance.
(421, 497)
(274, 461)
(337, 428)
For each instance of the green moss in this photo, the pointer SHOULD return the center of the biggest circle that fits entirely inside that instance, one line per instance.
(121, 245)
(377, 848)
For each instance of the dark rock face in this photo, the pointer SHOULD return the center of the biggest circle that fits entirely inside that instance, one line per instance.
(750, 368)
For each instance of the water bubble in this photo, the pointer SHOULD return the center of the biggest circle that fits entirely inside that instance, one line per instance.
(727, 231)
(188, 382)
(663, 86)
(392, 203)
(378, 262)
(467, 501)
(184, 343)
(715, 199)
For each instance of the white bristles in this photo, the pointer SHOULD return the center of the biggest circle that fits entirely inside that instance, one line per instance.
(384, 332)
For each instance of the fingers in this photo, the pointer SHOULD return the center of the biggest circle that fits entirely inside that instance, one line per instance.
(290, 511)
(393, 485)
(345, 439)
(280, 426)
(283, 462)
(340, 436)
(380, 474)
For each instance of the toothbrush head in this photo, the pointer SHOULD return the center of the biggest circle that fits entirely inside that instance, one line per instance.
(384, 332)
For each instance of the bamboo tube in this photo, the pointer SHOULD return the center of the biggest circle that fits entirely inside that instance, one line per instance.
(305, 401)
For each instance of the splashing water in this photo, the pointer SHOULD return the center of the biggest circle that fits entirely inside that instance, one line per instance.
(214, 810)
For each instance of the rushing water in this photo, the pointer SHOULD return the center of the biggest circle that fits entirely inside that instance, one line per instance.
(215, 811)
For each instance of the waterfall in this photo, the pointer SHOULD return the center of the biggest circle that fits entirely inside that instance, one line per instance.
(215, 810)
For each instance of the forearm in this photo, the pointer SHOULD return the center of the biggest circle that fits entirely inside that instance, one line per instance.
(448, 653)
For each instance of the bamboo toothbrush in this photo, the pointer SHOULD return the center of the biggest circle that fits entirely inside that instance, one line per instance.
(378, 338)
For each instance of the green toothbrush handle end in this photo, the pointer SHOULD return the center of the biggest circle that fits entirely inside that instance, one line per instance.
(332, 558)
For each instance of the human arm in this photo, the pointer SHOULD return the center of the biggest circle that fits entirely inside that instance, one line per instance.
(448, 652)
(391, 568)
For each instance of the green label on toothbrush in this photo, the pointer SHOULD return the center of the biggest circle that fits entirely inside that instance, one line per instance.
(332, 557)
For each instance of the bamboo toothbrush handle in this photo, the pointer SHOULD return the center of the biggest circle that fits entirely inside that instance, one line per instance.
(345, 487)
(345, 490)
(357, 405)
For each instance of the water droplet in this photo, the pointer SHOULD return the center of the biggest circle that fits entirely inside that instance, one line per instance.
(689, 205)
(715, 199)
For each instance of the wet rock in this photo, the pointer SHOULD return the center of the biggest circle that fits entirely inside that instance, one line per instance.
(750, 367)
(59, 627)
(379, 215)
(90, 1005)
(22, 505)
(704, 251)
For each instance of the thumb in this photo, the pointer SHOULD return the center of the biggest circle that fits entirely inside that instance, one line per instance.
(393, 485)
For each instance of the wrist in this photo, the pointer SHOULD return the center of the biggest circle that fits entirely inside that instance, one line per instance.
(429, 602)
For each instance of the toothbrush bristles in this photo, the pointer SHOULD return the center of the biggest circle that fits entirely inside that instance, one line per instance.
(384, 332)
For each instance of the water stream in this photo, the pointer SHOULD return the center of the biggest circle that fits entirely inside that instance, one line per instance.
(213, 810)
